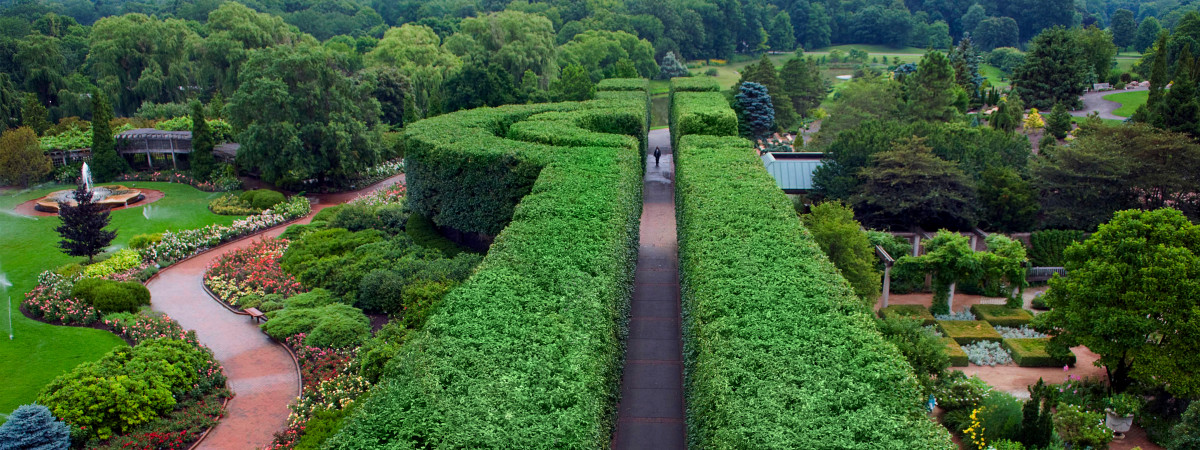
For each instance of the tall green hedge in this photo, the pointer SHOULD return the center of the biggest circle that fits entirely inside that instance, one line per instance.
(624, 84)
(527, 352)
(695, 84)
(778, 352)
(706, 113)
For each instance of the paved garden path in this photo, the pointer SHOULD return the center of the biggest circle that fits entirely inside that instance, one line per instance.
(261, 373)
(1095, 102)
(650, 413)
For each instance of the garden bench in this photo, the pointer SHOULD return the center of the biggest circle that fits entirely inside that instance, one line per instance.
(256, 315)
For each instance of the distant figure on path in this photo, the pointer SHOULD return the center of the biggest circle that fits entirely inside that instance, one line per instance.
(657, 154)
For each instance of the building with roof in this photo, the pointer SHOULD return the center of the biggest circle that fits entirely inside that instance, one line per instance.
(793, 172)
(154, 145)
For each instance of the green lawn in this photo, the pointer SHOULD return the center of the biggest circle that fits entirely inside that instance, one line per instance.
(39, 351)
(994, 76)
(1130, 101)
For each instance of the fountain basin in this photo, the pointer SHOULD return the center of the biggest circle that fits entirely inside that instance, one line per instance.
(107, 197)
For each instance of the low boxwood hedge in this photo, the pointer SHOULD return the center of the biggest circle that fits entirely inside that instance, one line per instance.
(778, 351)
(918, 312)
(969, 331)
(1001, 315)
(958, 357)
(1034, 353)
(527, 352)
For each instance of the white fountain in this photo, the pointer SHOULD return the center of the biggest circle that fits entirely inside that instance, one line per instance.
(105, 196)
(85, 176)
(4, 284)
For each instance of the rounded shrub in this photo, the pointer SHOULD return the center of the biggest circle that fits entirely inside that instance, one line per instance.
(144, 240)
(268, 306)
(356, 217)
(381, 291)
(341, 328)
(124, 296)
(393, 217)
(69, 270)
(262, 198)
(327, 214)
(313, 299)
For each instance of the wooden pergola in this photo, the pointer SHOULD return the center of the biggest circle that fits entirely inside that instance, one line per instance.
(149, 141)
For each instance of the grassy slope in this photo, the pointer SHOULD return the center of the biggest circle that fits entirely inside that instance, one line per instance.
(41, 352)
(1130, 101)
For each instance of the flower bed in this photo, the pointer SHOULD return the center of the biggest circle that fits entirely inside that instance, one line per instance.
(51, 302)
(987, 353)
(220, 185)
(178, 245)
(253, 270)
(391, 195)
(330, 382)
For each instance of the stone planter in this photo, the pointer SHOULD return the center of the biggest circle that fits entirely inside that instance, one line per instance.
(1119, 424)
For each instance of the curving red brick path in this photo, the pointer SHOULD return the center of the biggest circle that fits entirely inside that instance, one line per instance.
(262, 375)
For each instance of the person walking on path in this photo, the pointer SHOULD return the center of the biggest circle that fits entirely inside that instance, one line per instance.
(657, 154)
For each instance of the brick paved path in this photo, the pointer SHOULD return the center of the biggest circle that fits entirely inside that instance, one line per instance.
(261, 373)
(650, 413)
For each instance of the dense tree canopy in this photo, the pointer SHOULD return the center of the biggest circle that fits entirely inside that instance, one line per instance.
(910, 186)
(1055, 70)
(842, 239)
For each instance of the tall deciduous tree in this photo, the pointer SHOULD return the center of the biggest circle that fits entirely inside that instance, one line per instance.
(288, 140)
(479, 85)
(417, 53)
(21, 158)
(932, 90)
(34, 115)
(842, 239)
(82, 228)
(995, 32)
(10, 104)
(1123, 27)
(515, 40)
(1147, 32)
(1007, 202)
(911, 186)
(1131, 298)
(1099, 51)
(575, 85)
(782, 36)
(803, 84)
(1055, 70)
(106, 164)
(203, 141)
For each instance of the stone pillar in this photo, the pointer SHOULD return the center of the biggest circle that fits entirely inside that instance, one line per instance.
(887, 283)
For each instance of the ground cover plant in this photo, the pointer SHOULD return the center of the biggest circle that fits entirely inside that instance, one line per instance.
(737, 229)
(535, 332)
(969, 331)
(47, 351)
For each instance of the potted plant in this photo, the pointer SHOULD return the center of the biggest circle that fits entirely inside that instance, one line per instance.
(1120, 411)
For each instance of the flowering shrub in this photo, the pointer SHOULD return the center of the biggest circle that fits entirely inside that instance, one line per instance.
(390, 195)
(172, 177)
(987, 353)
(181, 244)
(331, 383)
(232, 205)
(253, 270)
(120, 261)
(1022, 332)
(973, 435)
(51, 301)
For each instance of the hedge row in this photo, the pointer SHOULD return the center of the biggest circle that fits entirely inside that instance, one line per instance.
(969, 331)
(527, 352)
(778, 351)
(1002, 315)
(706, 113)
(1034, 353)
(916, 312)
(958, 357)
(694, 84)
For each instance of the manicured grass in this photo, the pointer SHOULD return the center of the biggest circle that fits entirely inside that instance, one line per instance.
(41, 352)
(660, 111)
(658, 87)
(909, 312)
(995, 76)
(958, 357)
(1130, 101)
(969, 331)
(1032, 353)
(872, 49)
(1000, 315)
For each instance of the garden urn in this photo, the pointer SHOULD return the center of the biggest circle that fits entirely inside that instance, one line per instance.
(1118, 423)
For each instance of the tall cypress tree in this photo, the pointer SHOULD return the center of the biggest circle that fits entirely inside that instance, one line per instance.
(106, 164)
(83, 225)
(202, 160)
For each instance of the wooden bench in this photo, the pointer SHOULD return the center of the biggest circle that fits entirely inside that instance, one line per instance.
(256, 315)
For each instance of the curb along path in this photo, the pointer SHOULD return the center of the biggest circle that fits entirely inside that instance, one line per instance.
(650, 413)
(262, 374)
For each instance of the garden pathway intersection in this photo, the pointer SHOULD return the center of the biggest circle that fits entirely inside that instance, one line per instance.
(650, 413)
(262, 375)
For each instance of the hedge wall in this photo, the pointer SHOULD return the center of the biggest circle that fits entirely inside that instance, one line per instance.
(706, 113)
(527, 352)
(778, 352)
(695, 84)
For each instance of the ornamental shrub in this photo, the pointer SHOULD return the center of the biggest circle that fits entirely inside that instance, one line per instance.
(141, 241)
(421, 298)
(315, 298)
(341, 328)
(119, 262)
(381, 291)
(110, 296)
(261, 199)
(1186, 435)
(32, 427)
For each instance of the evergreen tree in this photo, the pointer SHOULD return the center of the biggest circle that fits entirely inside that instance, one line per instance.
(1055, 70)
(33, 427)
(932, 91)
(965, 59)
(672, 67)
(106, 164)
(83, 225)
(911, 186)
(1007, 202)
(1036, 427)
(1178, 109)
(575, 85)
(1059, 122)
(803, 84)
(1124, 27)
(216, 106)
(755, 110)
(202, 160)
(763, 72)
(34, 115)
(1158, 74)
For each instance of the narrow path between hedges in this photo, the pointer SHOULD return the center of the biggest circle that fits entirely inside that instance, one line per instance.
(650, 413)
(262, 375)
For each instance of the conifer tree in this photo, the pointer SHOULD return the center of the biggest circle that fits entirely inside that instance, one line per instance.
(1158, 73)
(106, 164)
(34, 115)
(1059, 122)
(671, 67)
(754, 107)
(83, 225)
(932, 90)
(34, 427)
(202, 160)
